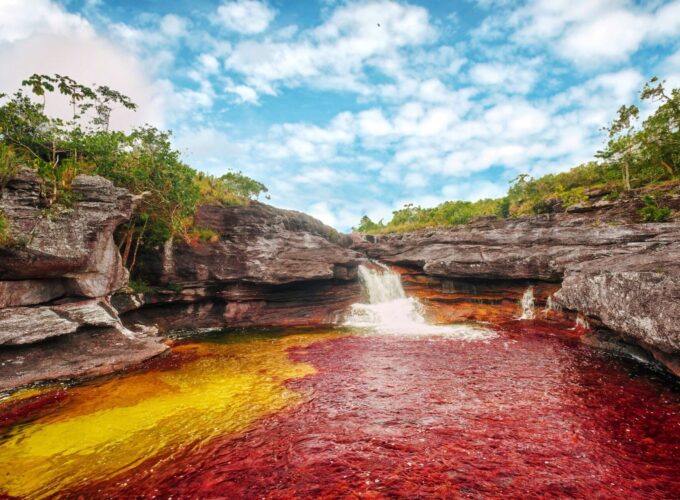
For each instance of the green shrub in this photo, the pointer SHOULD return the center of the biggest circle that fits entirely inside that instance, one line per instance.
(9, 164)
(5, 237)
(574, 196)
(651, 212)
(612, 196)
(140, 286)
(142, 160)
(205, 234)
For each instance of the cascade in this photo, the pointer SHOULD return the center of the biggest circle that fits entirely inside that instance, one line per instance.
(581, 323)
(390, 311)
(550, 305)
(528, 304)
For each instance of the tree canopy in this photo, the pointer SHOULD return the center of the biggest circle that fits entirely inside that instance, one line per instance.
(142, 160)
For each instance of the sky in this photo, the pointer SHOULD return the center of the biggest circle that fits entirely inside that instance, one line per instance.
(345, 108)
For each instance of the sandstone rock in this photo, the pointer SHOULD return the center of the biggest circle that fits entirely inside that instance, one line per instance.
(25, 325)
(270, 267)
(623, 275)
(540, 247)
(30, 292)
(229, 305)
(258, 244)
(85, 353)
(637, 294)
(73, 244)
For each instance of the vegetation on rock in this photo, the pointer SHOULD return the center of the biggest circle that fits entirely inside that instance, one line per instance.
(142, 160)
(651, 212)
(645, 155)
(5, 237)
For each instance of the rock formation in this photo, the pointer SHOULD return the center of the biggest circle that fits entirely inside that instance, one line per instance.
(621, 275)
(56, 276)
(270, 267)
(59, 318)
(65, 312)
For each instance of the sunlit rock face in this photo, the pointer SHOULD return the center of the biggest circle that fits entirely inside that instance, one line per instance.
(269, 267)
(65, 251)
(534, 248)
(55, 281)
(635, 294)
(258, 244)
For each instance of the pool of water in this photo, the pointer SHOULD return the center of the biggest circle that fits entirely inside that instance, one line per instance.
(527, 412)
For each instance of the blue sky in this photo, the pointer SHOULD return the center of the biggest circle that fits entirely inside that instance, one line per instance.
(346, 108)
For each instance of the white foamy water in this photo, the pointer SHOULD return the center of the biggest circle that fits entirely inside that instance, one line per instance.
(391, 312)
(528, 311)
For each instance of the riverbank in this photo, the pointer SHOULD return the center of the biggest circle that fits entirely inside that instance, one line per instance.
(66, 310)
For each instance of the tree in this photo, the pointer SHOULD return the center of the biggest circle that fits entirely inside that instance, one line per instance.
(660, 134)
(623, 141)
(243, 185)
(366, 225)
(55, 147)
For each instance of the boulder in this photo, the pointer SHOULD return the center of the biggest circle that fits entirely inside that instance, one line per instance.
(25, 325)
(637, 294)
(73, 244)
(258, 244)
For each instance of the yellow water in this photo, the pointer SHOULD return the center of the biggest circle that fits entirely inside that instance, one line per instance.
(103, 428)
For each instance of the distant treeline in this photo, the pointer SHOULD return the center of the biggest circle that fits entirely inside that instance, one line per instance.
(637, 155)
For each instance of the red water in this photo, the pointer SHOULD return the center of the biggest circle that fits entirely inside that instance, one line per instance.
(530, 413)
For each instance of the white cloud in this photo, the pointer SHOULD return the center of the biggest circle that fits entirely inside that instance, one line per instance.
(373, 123)
(509, 78)
(173, 26)
(591, 31)
(335, 54)
(209, 63)
(20, 19)
(611, 36)
(247, 17)
(243, 92)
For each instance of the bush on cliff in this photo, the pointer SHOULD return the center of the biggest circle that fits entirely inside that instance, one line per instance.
(5, 238)
(651, 212)
(142, 160)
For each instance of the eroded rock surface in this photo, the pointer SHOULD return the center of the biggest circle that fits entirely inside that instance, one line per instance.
(636, 294)
(56, 276)
(63, 250)
(86, 353)
(258, 244)
(540, 247)
(270, 267)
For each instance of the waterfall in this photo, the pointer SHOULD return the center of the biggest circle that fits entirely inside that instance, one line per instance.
(390, 312)
(550, 306)
(581, 323)
(528, 304)
(382, 286)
